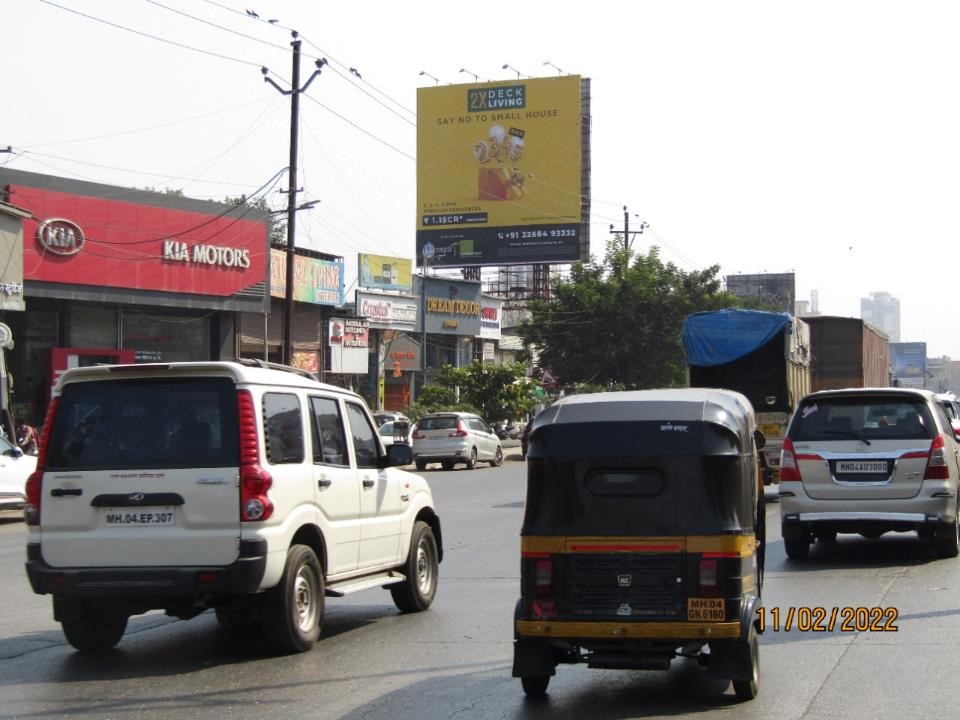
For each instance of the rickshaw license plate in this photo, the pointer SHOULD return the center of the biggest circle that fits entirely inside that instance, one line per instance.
(706, 609)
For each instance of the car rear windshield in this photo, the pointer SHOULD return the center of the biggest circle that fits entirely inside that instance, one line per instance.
(862, 418)
(443, 422)
(140, 423)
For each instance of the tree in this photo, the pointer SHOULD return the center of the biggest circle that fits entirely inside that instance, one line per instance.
(278, 228)
(617, 323)
(495, 392)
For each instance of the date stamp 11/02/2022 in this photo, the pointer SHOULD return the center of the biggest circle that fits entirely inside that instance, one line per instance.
(827, 619)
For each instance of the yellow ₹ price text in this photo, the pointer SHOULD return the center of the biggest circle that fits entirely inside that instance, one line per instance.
(825, 619)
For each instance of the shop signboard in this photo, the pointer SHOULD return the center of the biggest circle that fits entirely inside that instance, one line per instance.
(83, 233)
(387, 311)
(349, 345)
(316, 281)
(490, 317)
(453, 306)
(499, 177)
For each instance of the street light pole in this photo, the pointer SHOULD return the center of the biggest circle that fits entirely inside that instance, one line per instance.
(426, 253)
(294, 93)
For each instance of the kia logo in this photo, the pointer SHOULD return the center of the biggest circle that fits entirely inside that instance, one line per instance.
(61, 237)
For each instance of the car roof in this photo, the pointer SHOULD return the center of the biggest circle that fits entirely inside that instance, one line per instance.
(918, 393)
(243, 373)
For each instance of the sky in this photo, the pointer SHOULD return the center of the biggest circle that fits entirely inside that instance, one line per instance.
(819, 138)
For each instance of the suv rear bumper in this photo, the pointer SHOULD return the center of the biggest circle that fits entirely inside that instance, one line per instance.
(242, 576)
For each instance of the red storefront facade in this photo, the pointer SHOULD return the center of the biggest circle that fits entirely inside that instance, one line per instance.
(112, 273)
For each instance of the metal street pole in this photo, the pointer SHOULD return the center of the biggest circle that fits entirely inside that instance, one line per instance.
(426, 253)
(294, 93)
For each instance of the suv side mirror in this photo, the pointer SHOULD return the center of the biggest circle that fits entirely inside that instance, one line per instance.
(399, 454)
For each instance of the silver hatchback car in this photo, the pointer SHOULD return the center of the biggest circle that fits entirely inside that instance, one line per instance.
(869, 461)
(455, 437)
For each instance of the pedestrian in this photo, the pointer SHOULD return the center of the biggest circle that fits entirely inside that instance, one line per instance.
(27, 438)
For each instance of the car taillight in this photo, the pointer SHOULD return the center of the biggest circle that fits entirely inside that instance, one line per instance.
(34, 485)
(937, 468)
(708, 569)
(789, 470)
(461, 431)
(254, 480)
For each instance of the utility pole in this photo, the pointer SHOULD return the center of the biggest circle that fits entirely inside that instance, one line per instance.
(294, 93)
(627, 233)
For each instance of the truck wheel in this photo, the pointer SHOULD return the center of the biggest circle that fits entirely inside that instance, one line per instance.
(747, 689)
(297, 602)
(95, 632)
(535, 685)
(416, 593)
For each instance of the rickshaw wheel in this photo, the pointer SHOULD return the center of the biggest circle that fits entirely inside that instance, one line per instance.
(535, 685)
(747, 689)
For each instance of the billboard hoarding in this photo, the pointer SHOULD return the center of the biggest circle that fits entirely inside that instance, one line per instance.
(315, 281)
(908, 363)
(382, 272)
(499, 172)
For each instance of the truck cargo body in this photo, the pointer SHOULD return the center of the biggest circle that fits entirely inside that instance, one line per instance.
(847, 352)
(762, 355)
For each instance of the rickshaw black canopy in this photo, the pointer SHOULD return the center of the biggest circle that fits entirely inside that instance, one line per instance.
(643, 463)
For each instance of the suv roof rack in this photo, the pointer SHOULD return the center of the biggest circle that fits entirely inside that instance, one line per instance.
(254, 362)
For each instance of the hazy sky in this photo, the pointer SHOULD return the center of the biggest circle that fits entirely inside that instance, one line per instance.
(818, 137)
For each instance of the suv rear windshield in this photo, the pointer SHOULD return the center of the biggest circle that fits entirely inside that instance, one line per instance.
(142, 423)
(442, 422)
(862, 418)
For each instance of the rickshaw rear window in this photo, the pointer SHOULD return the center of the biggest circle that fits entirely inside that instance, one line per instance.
(625, 483)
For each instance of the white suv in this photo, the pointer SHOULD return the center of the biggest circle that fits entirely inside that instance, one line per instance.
(243, 486)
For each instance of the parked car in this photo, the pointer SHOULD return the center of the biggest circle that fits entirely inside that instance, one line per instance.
(243, 486)
(869, 461)
(15, 468)
(383, 416)
(397, 431)
(450, 438)
(951, 406)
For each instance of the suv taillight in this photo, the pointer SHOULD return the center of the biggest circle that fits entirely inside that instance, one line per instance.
(937, 468)
(417, 435)
(255, 506)
(789, 470)
(34, 486)
(461, 431)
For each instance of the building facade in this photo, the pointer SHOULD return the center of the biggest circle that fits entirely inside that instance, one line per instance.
(882, 310)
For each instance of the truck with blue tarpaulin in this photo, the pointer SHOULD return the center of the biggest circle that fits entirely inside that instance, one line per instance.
(764, 355)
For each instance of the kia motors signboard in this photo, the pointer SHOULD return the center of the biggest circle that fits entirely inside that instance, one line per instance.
(499, 172)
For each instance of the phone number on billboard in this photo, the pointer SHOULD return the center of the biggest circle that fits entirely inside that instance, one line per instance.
(529, 234)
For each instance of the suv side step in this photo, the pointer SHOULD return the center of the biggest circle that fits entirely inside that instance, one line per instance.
(345, 587)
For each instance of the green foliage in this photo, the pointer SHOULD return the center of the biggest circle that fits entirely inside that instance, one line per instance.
(495, 392)
(616, 324)
(278, 228)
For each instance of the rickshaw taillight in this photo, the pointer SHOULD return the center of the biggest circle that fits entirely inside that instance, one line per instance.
(708, 577)
(543, 577)
(789, 470)
(937, 468)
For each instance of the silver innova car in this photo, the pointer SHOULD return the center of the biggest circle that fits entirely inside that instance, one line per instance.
(869, 461)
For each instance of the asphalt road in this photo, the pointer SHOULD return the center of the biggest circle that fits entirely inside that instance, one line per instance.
(454, 660)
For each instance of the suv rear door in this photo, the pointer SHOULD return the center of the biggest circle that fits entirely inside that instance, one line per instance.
(138, 468)
(859, 446)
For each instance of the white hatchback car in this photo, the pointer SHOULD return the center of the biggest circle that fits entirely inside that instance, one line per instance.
(455, 437)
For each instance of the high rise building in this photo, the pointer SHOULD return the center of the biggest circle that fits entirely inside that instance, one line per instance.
(882, 310)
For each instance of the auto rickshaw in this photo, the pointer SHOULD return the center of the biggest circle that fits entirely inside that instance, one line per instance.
(642, 536)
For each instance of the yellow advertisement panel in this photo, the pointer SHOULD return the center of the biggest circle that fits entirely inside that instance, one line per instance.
(499, 172)
(384, 272)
